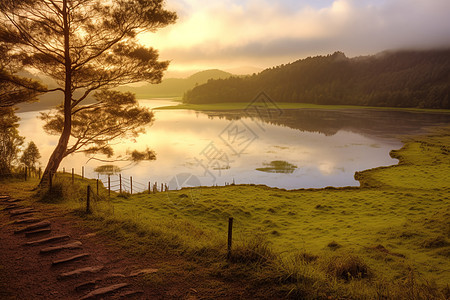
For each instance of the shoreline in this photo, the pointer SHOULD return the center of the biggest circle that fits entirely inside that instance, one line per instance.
(284, 105)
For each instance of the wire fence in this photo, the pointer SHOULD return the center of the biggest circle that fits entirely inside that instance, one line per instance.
(22, 172)
(120, 183)
(93, 195)
(124, 184)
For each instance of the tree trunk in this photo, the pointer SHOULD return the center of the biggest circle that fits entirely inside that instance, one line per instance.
(60, 151)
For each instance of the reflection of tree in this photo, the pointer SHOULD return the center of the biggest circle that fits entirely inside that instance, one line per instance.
(329, 122)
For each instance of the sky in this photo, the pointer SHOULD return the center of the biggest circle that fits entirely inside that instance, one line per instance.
(246, 35)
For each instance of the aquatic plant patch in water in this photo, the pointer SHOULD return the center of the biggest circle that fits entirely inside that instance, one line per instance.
(278, 166)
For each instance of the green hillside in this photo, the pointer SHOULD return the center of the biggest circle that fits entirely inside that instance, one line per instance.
(393, 79)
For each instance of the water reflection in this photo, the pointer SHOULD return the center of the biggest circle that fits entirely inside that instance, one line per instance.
(369, 122)
(326, 147)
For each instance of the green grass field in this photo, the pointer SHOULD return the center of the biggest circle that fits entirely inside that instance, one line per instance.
(404, 208)
(393, 231)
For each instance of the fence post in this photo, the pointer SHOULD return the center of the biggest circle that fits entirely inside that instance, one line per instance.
(149, 187)
(64, 170)
(82, 172)
(230, 236)
(40, 170)
(88, 200)
(26, 173)
(162, 187)
(97, 187)
(109, 185)
(73, 175)
(131, 185)
(120, 183)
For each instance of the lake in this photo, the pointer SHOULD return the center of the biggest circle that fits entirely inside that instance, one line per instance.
(291, 148)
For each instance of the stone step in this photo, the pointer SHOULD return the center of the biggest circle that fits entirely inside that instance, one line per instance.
(105, 290)
(143, 272)
(93, 283)
(12, 200)
(129, 294)
(21, 211)
(86, 285)
(70, 259)
(27, 221)
(113, 276)
(41, 231)
(71, 246)
(35, 226)
(12, 206)
(48, 240)
(79, 272)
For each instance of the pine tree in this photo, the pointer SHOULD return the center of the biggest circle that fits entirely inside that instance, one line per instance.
(85, 46)
(30, 156)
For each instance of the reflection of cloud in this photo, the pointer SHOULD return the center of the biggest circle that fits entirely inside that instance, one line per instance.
(326, 168)
(269, 32)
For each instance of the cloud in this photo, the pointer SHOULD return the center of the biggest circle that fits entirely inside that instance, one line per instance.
(264, 32)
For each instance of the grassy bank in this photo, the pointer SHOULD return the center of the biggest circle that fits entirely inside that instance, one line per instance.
(388, 239)
(277, 105)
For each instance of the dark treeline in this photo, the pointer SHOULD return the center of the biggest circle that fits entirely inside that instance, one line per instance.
(395, 79)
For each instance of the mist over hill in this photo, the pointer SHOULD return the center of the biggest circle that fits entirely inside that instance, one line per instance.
(391, 78)
(175, 87)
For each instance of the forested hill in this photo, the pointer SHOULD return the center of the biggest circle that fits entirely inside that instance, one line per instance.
(396, 79)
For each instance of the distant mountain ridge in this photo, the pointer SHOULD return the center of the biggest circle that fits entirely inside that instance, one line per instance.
(391, 78)
(171, 87)
(175, 87)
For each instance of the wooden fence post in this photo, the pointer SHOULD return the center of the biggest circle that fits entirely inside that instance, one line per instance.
(162, 187)
(120, 183)
(82, 172)
(149, 187)
(109, 185)
(230, 236)
(97, 187)
(131, 185)
(40, 171)
(88, 200)
(64, 170)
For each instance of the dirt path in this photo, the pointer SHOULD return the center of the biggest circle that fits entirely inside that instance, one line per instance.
(87, 267)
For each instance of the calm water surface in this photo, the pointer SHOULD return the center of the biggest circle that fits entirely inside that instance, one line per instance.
(323, 147)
